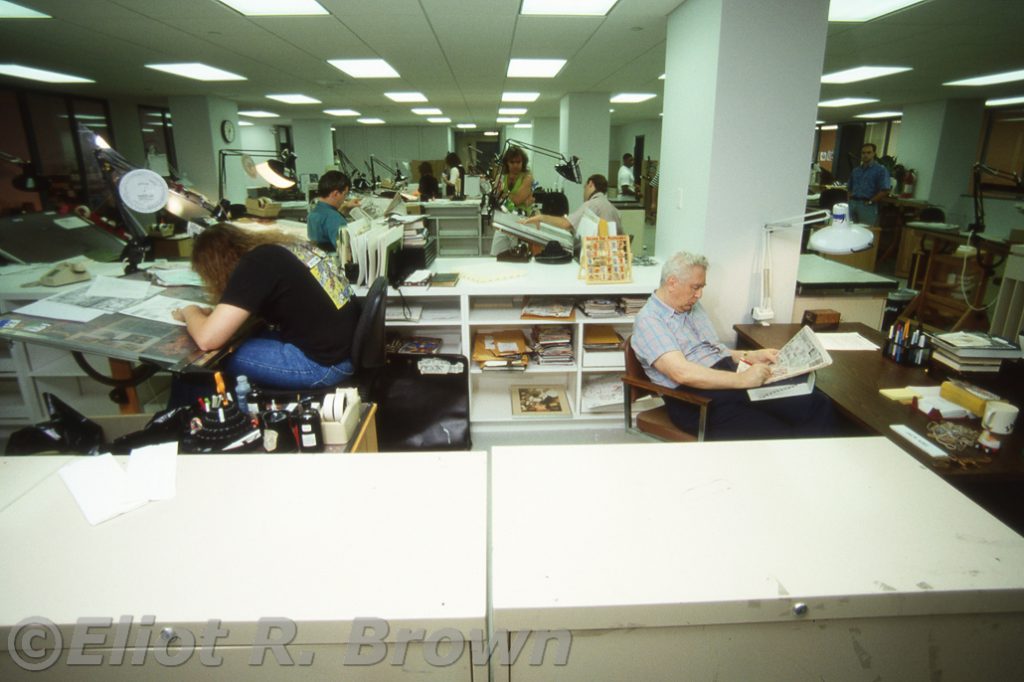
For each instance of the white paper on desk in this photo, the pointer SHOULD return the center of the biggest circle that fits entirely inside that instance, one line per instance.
(845, 341)
(176, 277)
(59, 311)
(117, 287)
(71, 222)
(152, 470)
(158, 308)
(100, 487)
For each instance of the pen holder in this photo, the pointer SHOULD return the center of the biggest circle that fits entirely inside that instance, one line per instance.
(906, 353)
(235, 432)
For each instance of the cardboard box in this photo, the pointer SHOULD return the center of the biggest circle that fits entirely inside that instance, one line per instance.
(262, 208)
(171, 248)
(820, 319)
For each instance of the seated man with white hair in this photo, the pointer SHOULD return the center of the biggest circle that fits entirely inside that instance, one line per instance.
(677, 346)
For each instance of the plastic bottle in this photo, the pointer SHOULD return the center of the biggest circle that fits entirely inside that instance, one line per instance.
(242, 391)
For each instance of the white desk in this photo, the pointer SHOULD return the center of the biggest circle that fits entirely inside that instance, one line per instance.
(857, 294)
(670, 562)
(320, 540)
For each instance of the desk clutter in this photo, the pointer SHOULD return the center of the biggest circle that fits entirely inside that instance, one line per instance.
(973, 352)
(906, 346)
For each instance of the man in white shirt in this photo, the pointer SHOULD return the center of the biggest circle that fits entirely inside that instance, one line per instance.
(627, 184)
(594, 200)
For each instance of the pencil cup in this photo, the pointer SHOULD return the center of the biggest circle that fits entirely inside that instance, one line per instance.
(906, 353)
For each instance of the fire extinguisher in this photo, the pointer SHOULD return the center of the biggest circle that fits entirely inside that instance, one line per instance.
(909, 180)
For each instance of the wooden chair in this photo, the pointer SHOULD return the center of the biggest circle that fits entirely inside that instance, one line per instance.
(656, 422)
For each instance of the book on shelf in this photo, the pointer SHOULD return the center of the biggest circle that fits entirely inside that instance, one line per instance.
(967, 365)
(975, 345)
(543, 308)
(420, 345)
(418, 278)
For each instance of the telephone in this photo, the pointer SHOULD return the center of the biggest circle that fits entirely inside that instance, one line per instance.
(65, 273)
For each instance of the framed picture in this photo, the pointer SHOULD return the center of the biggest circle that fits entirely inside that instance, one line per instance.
(540, 401)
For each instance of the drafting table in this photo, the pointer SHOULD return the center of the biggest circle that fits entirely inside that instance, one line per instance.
(48, 237)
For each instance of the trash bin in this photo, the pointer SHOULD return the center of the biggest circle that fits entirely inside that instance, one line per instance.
(895, 303)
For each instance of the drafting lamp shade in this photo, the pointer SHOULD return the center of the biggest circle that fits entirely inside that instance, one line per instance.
(570, 170)
(841, 238)
(273, 172)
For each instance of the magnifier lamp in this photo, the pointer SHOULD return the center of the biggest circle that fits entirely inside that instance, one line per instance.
(839, 238)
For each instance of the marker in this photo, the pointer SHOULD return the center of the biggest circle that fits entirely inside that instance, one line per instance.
(219, 380)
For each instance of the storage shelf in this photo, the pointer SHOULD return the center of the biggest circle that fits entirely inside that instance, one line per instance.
(532, 368)
(619, 369)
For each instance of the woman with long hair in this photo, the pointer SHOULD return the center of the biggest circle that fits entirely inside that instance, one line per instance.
(294, 287)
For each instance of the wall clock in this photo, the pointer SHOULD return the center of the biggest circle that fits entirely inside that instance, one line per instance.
(227, 130)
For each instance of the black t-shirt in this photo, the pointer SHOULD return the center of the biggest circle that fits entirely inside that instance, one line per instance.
(429, 187)
(274, 284)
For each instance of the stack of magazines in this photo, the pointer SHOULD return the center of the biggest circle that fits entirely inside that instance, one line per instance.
(503, 349)
(598, 307)
(546, 308)
(553, 344)
(631, 305)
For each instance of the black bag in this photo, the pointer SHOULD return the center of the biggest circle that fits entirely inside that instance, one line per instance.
(67, 431)
(423, 403)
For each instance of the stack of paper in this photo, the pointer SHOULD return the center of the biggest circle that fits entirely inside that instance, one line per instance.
(553, 344)
(541, 308)
(631, 305)
(500, 350)
(598, 307)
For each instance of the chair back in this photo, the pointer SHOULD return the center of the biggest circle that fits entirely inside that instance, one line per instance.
(932, 214)
(368, 340)
(634, 369)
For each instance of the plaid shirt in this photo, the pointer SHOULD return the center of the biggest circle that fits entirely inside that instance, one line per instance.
(659, 329)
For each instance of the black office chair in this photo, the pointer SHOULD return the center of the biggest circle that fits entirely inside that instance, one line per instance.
(932, 214)
(368, 341)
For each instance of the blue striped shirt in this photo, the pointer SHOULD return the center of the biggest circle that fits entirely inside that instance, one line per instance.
(658, 329)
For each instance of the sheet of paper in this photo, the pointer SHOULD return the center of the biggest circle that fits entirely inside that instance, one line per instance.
(100, 487)
(177, 277)
(845, 341)
(71, 222)
(59, 311)
(158, 308)
(118, 287)
(152, 471)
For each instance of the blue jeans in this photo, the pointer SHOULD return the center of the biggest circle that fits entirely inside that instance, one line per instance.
(268, 361)
(863, 213)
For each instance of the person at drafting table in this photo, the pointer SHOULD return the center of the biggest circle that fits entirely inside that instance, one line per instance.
(325, 221)
(594, 199)
(677, 346)
(289, 283)
(517, 188)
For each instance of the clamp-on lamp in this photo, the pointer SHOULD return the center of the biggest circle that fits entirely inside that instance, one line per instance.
(979, 170)
(273, 170)
(839, 238)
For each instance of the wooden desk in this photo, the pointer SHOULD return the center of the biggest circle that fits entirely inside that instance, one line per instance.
(852, 383)
(685, 562)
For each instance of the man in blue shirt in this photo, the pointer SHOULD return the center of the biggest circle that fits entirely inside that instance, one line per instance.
(325, 221)
(677, 346)
(869, 183)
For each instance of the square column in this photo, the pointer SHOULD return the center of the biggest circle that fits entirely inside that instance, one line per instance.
(584, 130)
(313, 150)
(741, 92)
(197, 141)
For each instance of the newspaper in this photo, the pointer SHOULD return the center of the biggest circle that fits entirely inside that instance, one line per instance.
(802, 354)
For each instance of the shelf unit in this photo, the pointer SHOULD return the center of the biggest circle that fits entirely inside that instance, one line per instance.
(457, 226)
(457, 313)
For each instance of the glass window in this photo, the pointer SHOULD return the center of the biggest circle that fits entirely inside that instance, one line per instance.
(158, 140)
(16, 187)
(1003, 147)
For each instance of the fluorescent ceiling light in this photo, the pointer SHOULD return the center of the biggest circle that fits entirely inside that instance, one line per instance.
(519, 96)
(371, 121)
(364, 68)
(19, 71)
(491, 133)
(846, 101)
(507, 119)
(148, 130)
(991, 79)
(258, 114)
(881, 114)
(512, 111)
(831, 127)
(818, 123)
(631, 97)
(573, 8)
(661, 77)
(466, 126)
(406, 96)
(611, 111)
(197, 71)
(427, 111)
(865, 10)
(8, 10)
(534, 68)
(275, 8)
(295, 99)
(1004, 101)
(439, 119)
(245, 124)
(342, 112)
(862, 73)
(523, 125)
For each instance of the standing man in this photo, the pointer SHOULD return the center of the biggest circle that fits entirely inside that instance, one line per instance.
(869, 184)
(677, 346)
(325, 220)
(593, 198)
(627, 184)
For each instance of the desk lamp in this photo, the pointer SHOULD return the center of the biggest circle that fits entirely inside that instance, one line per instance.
(356, 176)
(396, 172)
(842, 238)
(273, 170)
(26, 181)
(979, 170)
(567, 168)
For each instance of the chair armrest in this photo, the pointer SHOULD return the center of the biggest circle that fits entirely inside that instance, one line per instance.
(693, 399)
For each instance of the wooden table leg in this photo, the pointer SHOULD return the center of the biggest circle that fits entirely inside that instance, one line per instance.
(122, 369)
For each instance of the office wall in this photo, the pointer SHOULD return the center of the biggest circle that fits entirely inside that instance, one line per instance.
(624, 135)
(197, 142)
(545, 134)
(388, 143)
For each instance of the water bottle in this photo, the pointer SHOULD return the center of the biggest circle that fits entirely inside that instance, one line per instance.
(242, 393)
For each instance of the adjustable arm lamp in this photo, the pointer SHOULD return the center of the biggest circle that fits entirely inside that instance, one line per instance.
(26, 181)
(570, 170)
(374, 162)
(273, 170)
(837, 239)
(979, 170)
(356, 176)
